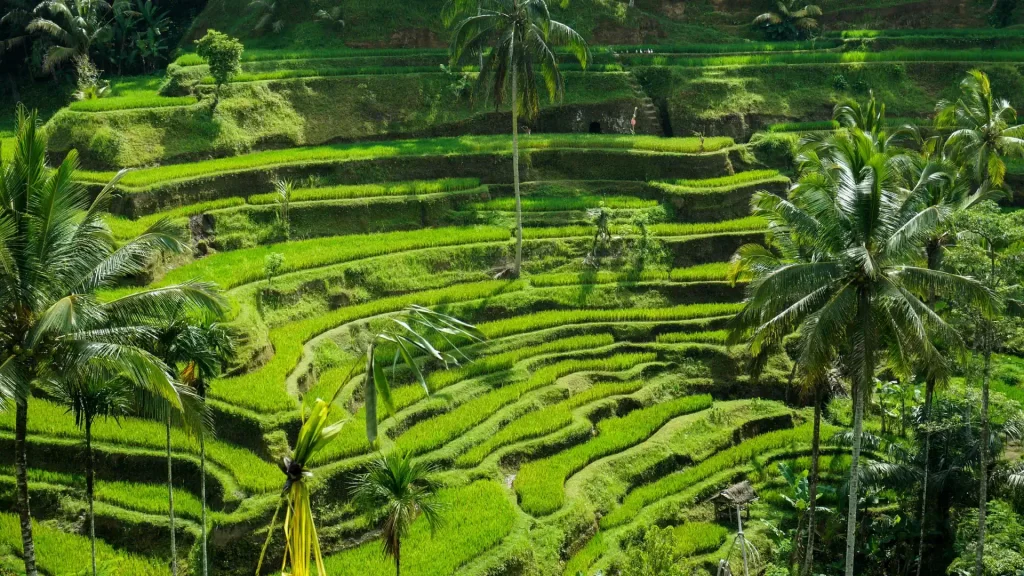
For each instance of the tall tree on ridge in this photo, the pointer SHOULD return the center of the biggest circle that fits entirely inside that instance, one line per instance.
(55, 253)
(517, 38)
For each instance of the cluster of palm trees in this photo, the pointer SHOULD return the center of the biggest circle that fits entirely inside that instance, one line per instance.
(853, 264)
(149, 353)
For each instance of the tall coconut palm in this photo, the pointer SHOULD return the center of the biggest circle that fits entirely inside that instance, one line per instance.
(204, 347)
(73, 25)
(984, 129)
(788, 21)
(396, 490)
(516, 38)
(55, 253)
(940, 184)
(860, 287)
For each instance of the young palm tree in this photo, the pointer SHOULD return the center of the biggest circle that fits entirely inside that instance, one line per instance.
(396, 490)
(92, 393)
(55, 252)
(984, 130)
(516, 38)
(857, 284)
(73, 25)
(789, 22)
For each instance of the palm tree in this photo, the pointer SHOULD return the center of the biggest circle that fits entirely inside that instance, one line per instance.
(55, 253)
(984, 130)
(73, 25)
(90, 394)
(857, 284)
(940, 184)
(200, 347)
(516, 37)
(209, 346)
(397, 491)
(788, 22)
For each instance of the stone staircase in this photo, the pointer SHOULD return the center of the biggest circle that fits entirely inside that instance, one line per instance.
(648, 121)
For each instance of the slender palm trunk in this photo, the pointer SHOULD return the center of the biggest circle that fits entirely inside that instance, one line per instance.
(170, 500)
(812, 486)
(202, 481)
(90, 490)
(979, 565)
(21, 471)
(860, 390)
(515, 177)
(933, 252)
(398, 557)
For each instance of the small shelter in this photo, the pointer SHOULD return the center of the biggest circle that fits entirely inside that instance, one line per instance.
(735, 496)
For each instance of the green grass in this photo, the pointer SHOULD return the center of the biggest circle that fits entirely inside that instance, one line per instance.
(539, 484)
(554, 204)
(586, 556)
(130, 103)
(714, 271)
(371, 190)
(826, 125)
(695, 538)
(541, 320)
(896, 55)
(62, 554)
(707, 337)
(145, 177)
(476, 518)
(750, 223)
(436, 432)
(729, 181)
(126, 229)
(735, 456)
(238, 267)
(52, 421)
(545, 421)
(329, 71)
(149, 498)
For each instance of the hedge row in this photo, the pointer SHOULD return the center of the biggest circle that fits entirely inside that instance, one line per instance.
(750, 223)
(539, 484)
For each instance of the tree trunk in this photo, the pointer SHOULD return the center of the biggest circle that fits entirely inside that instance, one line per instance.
(170, 499)
(21, 471)
(812, 486)
(979, 565)
(398, 557)
(90, 490)
(515, 177)
(928, 394)
(202, 481)
(860, 391)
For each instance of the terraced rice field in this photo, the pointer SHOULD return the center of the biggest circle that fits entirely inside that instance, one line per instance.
(605, 397)
(589, 375)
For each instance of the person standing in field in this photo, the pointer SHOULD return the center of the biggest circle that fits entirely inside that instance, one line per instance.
(632, 122)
